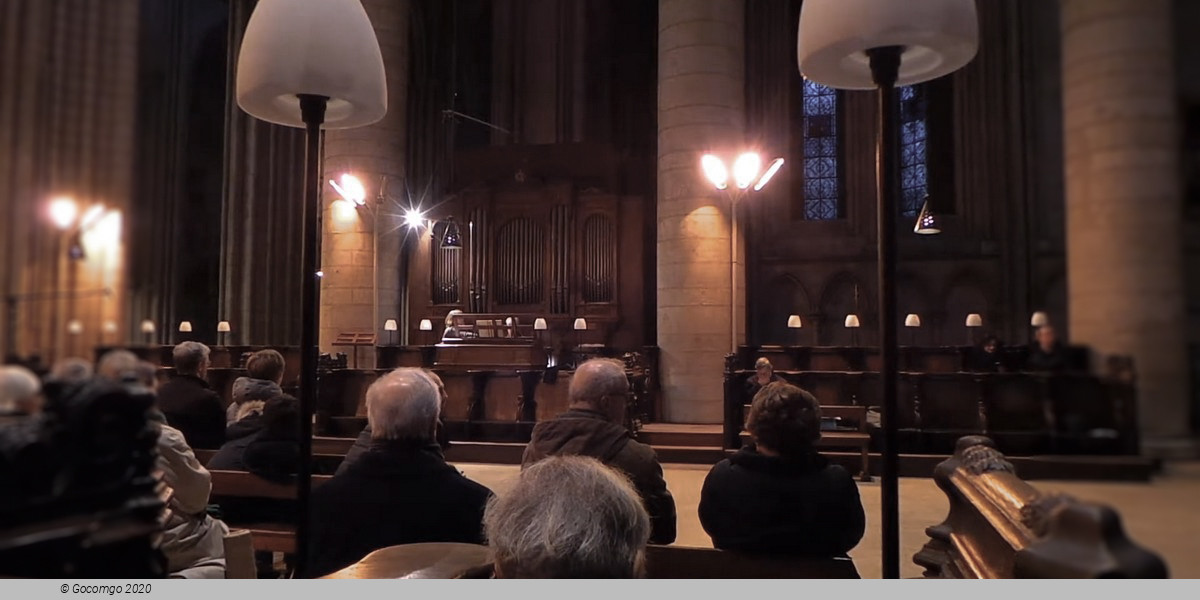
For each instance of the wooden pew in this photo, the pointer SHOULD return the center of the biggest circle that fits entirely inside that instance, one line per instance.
(1001, 527)
(271, 536)
(680, 562)
(454, 561)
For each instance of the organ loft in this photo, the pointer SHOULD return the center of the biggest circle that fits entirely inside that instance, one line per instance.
(331, 255)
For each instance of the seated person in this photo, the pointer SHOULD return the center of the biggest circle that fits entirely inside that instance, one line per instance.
(452, 332)
(188, 402)
(193, 542)
(71, 371)
(20, 392)
(264, 373)
(363, 442)
(987, 358)
(264, 444)
(1047, 353)
(594, 426)
(779, 496)
(401, 491)
(568, 517)
(764, 373)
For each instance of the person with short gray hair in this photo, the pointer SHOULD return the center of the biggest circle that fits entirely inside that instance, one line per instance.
(401, 490)
(71, 371)
(20, 391)
(568, 517)
(594, 426)
(189, 403)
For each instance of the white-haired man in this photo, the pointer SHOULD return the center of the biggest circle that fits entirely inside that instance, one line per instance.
(189, 403)
(401, 491)
(568, 517)
(594, 426)
(20, 391)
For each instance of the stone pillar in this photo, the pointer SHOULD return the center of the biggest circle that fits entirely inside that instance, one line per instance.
(700, 109)
(1124, 249)
(361, 248)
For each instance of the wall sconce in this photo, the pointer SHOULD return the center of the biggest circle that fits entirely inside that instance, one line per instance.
(1039, 319)
(391, 327)
(912, 321)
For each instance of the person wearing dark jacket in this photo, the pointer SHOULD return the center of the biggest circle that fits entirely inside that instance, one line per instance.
(780, 496)
(363, 442)
(401, 491)
(189, 403)
(592, 426)
(1047, 353)
(764, 373)
(264, 373)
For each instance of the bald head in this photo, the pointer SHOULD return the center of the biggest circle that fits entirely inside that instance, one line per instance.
(20, 390)
(403, 405)
(600, 385)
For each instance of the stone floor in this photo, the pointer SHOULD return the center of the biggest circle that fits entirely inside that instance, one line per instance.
(1160, 515)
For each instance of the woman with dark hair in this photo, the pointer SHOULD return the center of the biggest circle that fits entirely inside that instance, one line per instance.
(778, 495)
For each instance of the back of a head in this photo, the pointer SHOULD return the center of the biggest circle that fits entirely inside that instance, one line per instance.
(568, 517)
(189, 357)
(784, 418)
(596, 380)
(281, 417)
(117, 365)
(403, 405)
(71, 371)
(18, 388)
(266, 364)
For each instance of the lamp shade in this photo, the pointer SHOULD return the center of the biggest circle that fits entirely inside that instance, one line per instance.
(539, 324)
(580, 323)
(852, 321)
(912, 320)
(1039, 319)
(147, 326)
(974, 320)
(794, 322)
(223, 327)
(390, 325)
(185, 326)
(318, 47)
(110, 327)
(74, 327)
(927, 221)
(426, 325)
(937, 37)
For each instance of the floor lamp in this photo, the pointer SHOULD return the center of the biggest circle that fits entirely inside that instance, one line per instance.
(312, 64)
(877, 45)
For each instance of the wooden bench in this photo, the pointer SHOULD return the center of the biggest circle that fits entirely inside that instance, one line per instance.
(855, 436)
(1001, 527)
(272, 536)
(453, 561)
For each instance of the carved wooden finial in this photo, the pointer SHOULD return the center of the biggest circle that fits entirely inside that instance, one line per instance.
(978, 455)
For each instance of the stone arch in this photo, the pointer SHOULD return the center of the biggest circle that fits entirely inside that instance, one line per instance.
(785, 295)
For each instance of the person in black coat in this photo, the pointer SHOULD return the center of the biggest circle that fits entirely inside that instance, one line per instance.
(987, 358)
(189, 403)
(779, 496)
(1047, 353)
(364, 440)
(401, 491)
(764, 373)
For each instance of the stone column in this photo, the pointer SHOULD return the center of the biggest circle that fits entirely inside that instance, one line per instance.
(361, 248)
(700, 109)
(1124, 249)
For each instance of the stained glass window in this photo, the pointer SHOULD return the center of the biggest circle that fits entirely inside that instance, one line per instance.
(822, 190)
(914, 152)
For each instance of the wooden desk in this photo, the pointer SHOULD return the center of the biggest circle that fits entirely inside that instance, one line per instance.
(418, 561)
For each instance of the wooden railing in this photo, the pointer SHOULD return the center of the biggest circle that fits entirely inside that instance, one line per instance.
(1001, 527)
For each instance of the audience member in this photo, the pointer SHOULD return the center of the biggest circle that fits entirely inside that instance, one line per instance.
(1047, 354)
(71, 371)
(189, 403)
(20, 392)
(568, 517)
(274, 453)
(401, 491)
(193, 541)
(363, 442)
(593, 426)
(987, 357)
(764, 373)
(779, 496)
(264, 374)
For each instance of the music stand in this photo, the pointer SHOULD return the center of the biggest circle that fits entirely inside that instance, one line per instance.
(355, 340)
